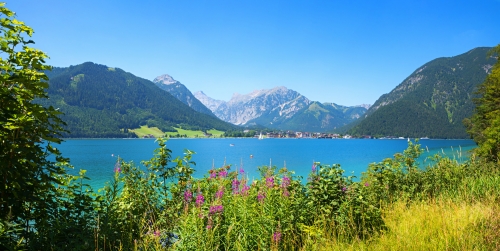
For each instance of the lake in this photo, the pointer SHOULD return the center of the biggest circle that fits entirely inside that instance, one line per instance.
(98, 156)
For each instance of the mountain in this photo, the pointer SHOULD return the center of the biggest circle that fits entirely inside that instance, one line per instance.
(209, 102)
(281, 108)
(100, 101)
(178, 90)
(432, 101)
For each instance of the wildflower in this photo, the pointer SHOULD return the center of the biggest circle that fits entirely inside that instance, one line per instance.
(244, 189)
(222, 174)
(261, 197)
(188, 196)
(313, 167)
(366, 184)
(344, 189)
(216, 209)
(200, 200)
(285, 182)
(157, 233)
(213, 174)
(270, 181)
(118, 167)
(286, 193)
(209, 223)
(277, 237)
(242, 171)
(236, 186)
(219, 194)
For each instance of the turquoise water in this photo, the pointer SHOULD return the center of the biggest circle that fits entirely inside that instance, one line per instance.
(98, 156)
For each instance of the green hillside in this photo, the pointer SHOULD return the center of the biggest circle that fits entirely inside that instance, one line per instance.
(99, 101)
(432, 101)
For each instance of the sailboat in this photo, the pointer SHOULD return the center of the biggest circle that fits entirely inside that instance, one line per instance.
(260, 136)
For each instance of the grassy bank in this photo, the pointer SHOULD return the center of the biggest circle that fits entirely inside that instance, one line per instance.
(157, 133)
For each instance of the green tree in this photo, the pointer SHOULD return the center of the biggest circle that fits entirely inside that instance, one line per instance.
(484, 125)
(29, 164)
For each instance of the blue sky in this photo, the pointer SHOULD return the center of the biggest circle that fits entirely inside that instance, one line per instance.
(346, 52)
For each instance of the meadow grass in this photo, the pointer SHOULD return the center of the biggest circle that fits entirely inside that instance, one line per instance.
(145, 130)
(157, 133)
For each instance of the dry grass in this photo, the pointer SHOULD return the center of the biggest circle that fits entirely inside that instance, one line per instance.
(435, 225)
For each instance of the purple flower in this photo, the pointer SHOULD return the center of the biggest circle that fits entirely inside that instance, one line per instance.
(213, 174)
(118, 167)
(261, 197)
(188, 196)
(285, 182)
(366, 184)
(244, 189)
(216, 209)
(219, 194)
(209, 223)
(222, 174)
(157, 233)
(200, 200)
(277, 237)
(236, 186)
(286, 193)
(270, 181)
(344, 189)
(313, 167)
(242, 171)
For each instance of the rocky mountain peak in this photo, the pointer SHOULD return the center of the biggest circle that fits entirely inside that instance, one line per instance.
(165, 79)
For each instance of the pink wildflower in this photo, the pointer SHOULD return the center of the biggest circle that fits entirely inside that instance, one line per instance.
(285, 182)
(244, 189)
(236, 186)
(277, 237)
(222, 174)
(261, 197)
(270, 181)
(188, 196)
(118, 167)
(216, 209)
(213, 174)
(200, 200)
(219, 194)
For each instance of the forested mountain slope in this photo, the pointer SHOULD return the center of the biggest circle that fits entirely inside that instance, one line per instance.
(100, 101)
(432, 101)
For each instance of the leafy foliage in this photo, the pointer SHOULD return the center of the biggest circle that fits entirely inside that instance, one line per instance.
(27, 130)
(41, 207)
(484, 126)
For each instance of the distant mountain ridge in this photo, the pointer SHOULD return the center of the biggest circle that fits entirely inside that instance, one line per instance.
(178, 90)
(100, 101)
(432, 101)
(281, 108)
